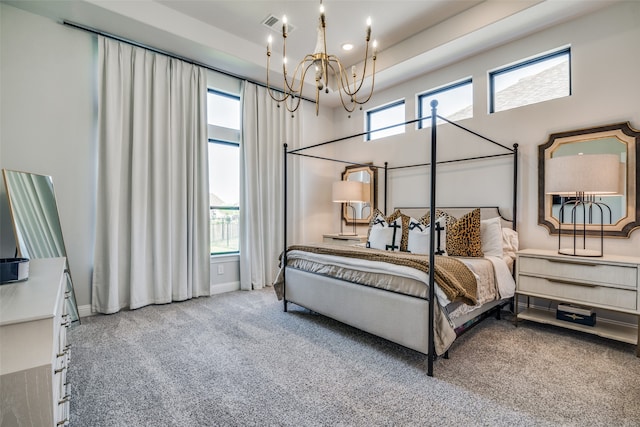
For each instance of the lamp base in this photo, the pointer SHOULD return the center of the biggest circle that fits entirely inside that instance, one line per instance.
(579, 252)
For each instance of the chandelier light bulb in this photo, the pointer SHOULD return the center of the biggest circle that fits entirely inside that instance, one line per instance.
(368, 21)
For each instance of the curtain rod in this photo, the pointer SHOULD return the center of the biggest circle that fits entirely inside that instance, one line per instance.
(165, 53)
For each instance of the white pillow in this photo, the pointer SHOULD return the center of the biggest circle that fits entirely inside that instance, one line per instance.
(491, 237)
(510, 242)
(384, 237)
(419, 237)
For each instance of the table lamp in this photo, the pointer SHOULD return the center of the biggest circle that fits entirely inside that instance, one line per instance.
(579, 179)
(347, 192)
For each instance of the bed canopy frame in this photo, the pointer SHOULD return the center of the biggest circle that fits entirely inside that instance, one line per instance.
(432, 202)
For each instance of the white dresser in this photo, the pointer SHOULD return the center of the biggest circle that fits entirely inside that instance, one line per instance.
(342, 239)
(609, 282)
(34, 354)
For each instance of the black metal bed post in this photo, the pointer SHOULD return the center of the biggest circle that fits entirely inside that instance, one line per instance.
(284, 237)
(432, 237)
(514, 299)
(515, 187)
(386, 181)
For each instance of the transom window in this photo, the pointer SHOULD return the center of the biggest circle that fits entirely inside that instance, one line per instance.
(382, 118)
(455, 102)
(542, 78)
(223, 117)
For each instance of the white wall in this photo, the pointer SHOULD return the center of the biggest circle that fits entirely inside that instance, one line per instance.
(606, 89)
(47, 126)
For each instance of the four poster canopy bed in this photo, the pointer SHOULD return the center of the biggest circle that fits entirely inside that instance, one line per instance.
(387, 288)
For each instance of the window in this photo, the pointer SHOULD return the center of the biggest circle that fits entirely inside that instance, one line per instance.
(528, 82)
(223, 117)
(383, 117)
(455, 102)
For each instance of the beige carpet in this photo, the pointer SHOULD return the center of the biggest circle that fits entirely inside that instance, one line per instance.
(237, 359)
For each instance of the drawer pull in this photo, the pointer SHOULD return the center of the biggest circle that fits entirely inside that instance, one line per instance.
(64, 400)
(57, 371)
(583, 263)
(63, 354)
(63, 422)
(570, 282)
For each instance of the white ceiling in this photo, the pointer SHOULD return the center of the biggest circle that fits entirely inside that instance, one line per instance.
(414, 36)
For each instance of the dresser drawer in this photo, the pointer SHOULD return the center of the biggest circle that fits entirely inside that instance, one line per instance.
(596, 295)
(581, 271)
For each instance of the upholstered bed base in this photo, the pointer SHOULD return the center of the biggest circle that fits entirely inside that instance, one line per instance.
(398, 318)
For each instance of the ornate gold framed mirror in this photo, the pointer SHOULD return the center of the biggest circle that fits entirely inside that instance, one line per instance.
(619, 139)
(362, 211)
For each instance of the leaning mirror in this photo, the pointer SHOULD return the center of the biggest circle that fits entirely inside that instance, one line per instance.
(618, 139)
(36, 224)
(362, 211)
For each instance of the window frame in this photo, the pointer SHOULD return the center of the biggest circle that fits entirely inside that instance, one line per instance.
(226, 142)
(525, 63)
(431, 92)
(378, 109)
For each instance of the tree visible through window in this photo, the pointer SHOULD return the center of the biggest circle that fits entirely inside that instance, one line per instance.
(223, 113)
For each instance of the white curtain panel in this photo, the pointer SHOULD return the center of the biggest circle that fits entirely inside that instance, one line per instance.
(265, 129)
(152, 225)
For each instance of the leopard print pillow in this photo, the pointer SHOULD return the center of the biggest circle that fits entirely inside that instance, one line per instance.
(463, 234)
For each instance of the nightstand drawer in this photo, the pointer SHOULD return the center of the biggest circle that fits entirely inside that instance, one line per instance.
(581, 271)
(574, 290)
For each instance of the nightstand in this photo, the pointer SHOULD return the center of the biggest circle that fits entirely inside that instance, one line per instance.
(610, 282)
(339, 239)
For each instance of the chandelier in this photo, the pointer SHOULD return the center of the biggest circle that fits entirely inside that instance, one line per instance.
(326, 68)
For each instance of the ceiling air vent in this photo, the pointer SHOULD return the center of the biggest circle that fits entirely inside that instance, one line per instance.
(274, 23)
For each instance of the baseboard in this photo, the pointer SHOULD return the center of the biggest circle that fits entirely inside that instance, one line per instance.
(85, 311)
(220, 288)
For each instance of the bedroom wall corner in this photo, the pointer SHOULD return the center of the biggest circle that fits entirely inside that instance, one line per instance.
(47, 126)
(315, 216)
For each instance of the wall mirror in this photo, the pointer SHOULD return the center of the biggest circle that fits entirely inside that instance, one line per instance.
(619, 139)
(362, 211)
(36, 223)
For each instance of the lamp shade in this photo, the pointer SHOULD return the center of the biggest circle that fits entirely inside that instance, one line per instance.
(583, 173)
(346, 191)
